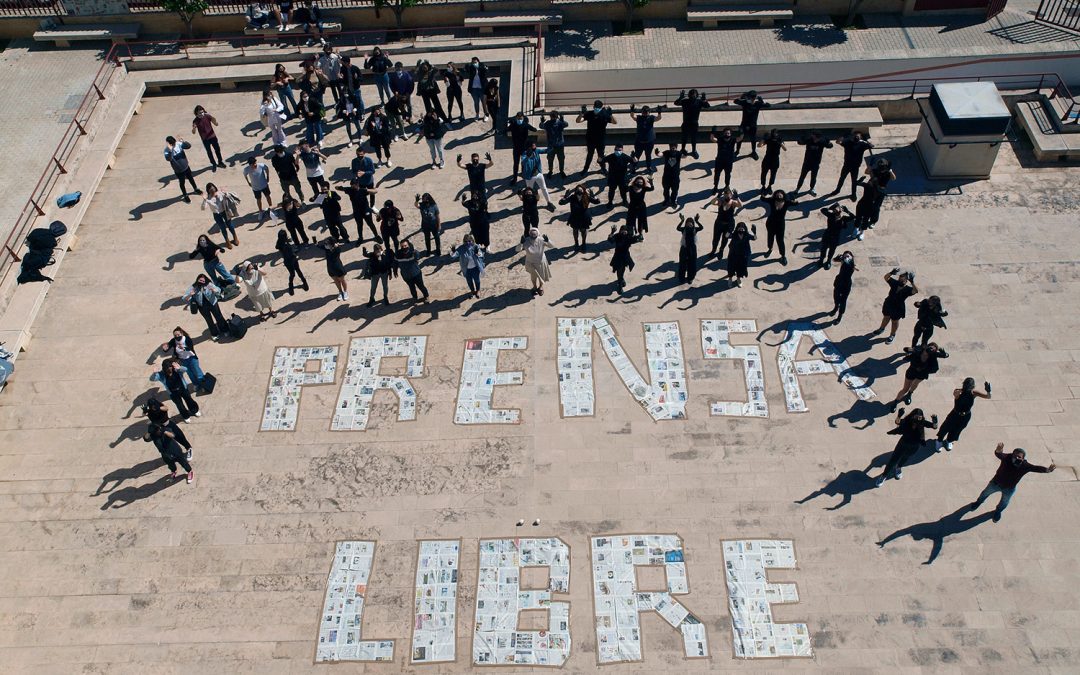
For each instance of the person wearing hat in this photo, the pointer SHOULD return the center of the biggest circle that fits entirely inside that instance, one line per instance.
(1012, 468)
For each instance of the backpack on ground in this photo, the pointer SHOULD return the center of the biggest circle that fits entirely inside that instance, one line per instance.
(237, 327)
(230, 291)
(208, 383)
(41, 239)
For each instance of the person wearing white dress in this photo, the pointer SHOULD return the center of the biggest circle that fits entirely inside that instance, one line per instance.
(272, 114)
(257, 289)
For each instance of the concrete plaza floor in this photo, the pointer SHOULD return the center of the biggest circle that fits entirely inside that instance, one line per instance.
(109, 567)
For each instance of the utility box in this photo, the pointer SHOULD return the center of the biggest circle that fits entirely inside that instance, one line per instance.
(964, 124)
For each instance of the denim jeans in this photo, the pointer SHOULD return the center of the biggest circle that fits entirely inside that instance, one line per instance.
(351, 124)
(315, 131)
(225, 226)
(195, 371)
(472, 277)
(217, 272)
(991, 488)
(382, 83)
(376, 279)
(477, 97)
(285, 95)
(357, 100)
(435, 145)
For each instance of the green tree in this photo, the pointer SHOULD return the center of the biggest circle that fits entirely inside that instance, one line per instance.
(398, 7)
(187, 10)
(630, 6)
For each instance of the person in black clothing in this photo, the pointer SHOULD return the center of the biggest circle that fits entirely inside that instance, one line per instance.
(331, 209)
(672, 162)
(334, 269)
(751, 105)
(379, 64)
(289, 259)
(381, 265)
(379, 134)
(1012, 468)
(171, 375)
(618, 165)
(621, 260)
(773, 144)
(399, 115)
(930, 315)
(479, 218)
(692, 106)
(924, 363)
(452, 77)
(867, 209)
(637, 211)
(555, 127)
(286, 166)
(176, 156)
(430, 221)
(912, 433)
(530, 209)
(957, 419)
(390, 220)
(837, 218)
(204, 297)
(171, 452)
(580, 219)
(597, 121)
(854, 148)
(725, 155)
(215, 269)
(901, 287)
(816, 145)
(492, 103)
(739, 253)
(688, 228)
(477, 171)
(518, 129)
(290, 214)
(645, 135)
(427, 85)
(409, 269)
(842, 284)
(361, 199)
(433, 130)
(352, 116)
(778, 204)
(157, 413)
(728, 204)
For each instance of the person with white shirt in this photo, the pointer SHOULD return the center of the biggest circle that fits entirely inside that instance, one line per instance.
(257, 175)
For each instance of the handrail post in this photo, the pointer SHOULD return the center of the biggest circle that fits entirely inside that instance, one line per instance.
(101, 97)
(914, 88)
(13, 253)
(82, 131)
(37, 208)
(1039, 88)
(59, 165)
(851, 92)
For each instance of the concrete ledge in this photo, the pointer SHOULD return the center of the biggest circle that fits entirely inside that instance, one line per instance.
(332, 26)
(711, 15)
(1047, 144)
(488, 21)
(64, 35)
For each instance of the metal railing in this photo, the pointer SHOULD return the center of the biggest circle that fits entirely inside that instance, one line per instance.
(219, 7)
(1061, 13)
(845, 91)
(32, 8)
(58, 163)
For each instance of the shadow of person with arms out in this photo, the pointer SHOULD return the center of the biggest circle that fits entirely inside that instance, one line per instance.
(846, 485)
(129, 495)
(937, 530)
(120, 475)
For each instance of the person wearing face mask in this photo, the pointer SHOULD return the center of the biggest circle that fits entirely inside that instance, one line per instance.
(204, 124)
(692, 106)
(492, 103)
(379, 135)
(470, 257)
(171, 376)
(554, 127)
(773, 145)
(381, 265)
(430, 222)
(433, 130)
(291, 262)
(476, 75)
(837, 218)
(273, 116)
(957, 419)
(923, 363)
(215, 269)
(912, 433)
(409, 269)
(688, 228)
(477, 171)
(530, 210)
(532, 170)
(286, 165)
(479, 217)
(671, 160)
(739, 253)
(535, 247)
(182, 348)
(518, 130)
(637, 211)
(618, 165)
(290, 215)
(868, 207)
(930, 315)
(331, 209)
(390, 219)
(204, 296)
(726, 142)
(378, 63)
(751, 105)
(361, 199)
(597, 120)
(729, 204)
(580, 219)
(645, 135)
(329, 62)
(1011, 469)
(177, 159)
(901, 287)
(258, 291)
(854, 148)
(427, 85)
(402, 83)
(778, 204)
(842, 284)
(453, 77)
(816, 145)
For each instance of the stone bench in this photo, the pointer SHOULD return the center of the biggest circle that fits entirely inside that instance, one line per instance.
(64, 35)
(331, 25)
(487, 22)
(765, 14)
(784, 119)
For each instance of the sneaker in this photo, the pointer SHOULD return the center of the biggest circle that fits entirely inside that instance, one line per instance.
(190, 476)
(996, 517)
(485, 118)
(173, 475)
(345, 296)
(879, 331)
(880, 481)
(828, 265)
(889, 340)
(948, 446)
(389, 163)
(861, 236)
(187, 455)
(214, 338)
(187, 420)
(813, 192)
(198, 414)
(899, 474)
(186, 199)
(339, 296)
(783, 260)
(907, 400)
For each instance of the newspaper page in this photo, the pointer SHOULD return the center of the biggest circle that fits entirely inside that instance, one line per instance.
(343, 608)
(362, 379)
(832, 361)
(435, 604)
(716, 344)
(289, 373)
(480, 376)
